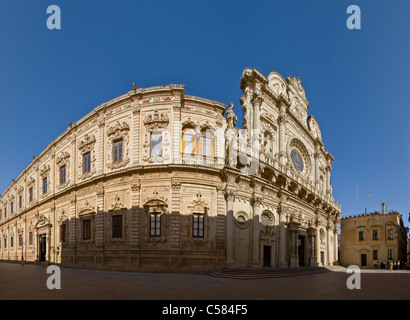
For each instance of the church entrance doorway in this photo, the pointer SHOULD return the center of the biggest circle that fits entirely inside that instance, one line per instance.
(266, 256)
(301, 250)
(43, 247)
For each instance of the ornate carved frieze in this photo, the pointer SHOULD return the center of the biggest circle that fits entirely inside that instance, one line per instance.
(156, 120)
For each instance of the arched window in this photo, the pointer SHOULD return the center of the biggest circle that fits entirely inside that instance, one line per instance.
(207, 143)
(188, 143)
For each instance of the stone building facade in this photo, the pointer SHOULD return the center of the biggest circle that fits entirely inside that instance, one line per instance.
(157, 180)
(368, 240)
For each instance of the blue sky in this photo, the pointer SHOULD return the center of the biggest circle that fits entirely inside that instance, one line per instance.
(356, 81)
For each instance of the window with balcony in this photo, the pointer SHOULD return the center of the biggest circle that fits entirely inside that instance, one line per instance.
(207, 143)
(188, 141)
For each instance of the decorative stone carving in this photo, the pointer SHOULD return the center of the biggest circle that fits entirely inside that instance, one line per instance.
(119, 131)
(156, 120)
(117, 204)
(86, 145)
(63, 160)
(231, 117)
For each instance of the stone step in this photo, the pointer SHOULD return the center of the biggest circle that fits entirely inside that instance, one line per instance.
(265, 273)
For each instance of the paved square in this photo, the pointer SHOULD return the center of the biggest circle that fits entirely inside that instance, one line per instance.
(29, 282)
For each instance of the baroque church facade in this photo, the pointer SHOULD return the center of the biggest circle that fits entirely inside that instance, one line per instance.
(157, 180)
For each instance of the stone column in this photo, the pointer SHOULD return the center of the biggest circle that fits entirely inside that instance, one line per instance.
(256, 232)
(99, 220)
(294, 259)
(317, 243)
(335, 255)
(327, 182)
(282, 238)
(317, 175)
(313, 249)
(177, 130)
(175, 215)
(230, 198)
(282, 124)
(135, 140)
(328, 232)
(135, 212)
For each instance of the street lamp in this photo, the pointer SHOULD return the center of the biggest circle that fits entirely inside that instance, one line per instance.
(22, 248)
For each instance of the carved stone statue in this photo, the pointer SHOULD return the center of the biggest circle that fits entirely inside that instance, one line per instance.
(231, 117)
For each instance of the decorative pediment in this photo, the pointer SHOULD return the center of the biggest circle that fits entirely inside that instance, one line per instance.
(62, 216)
(44, 170)
(42, 222)
(155, 197)
(117, 204)
(30, 181)
(63, 158)
(118, 129)
(199, 204)
(156, 120)
(87, 143)
(85, 207)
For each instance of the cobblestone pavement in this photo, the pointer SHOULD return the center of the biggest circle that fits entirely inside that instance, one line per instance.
(28, 281)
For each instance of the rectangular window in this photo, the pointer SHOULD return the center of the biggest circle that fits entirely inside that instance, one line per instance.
(375, 234)
(361, 235)
(117, 151)
(390, 234)
(117, 226)
(30, 194)
(30, 238)
(5, 243)
(20, 240)
(87, 229)
(198, 225)
(5, 212)
(11, 242)
(87, 162)
(375, 255)
(62, 174)
(20, 201)
(45, 185)
(11, 207)
(155, 224)
(156, 144)
(389, 254)
(63, 232)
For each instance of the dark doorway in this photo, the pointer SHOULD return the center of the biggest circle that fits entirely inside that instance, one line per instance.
(266, 256)
(43, 247)
(364, 260)
(301, 250)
